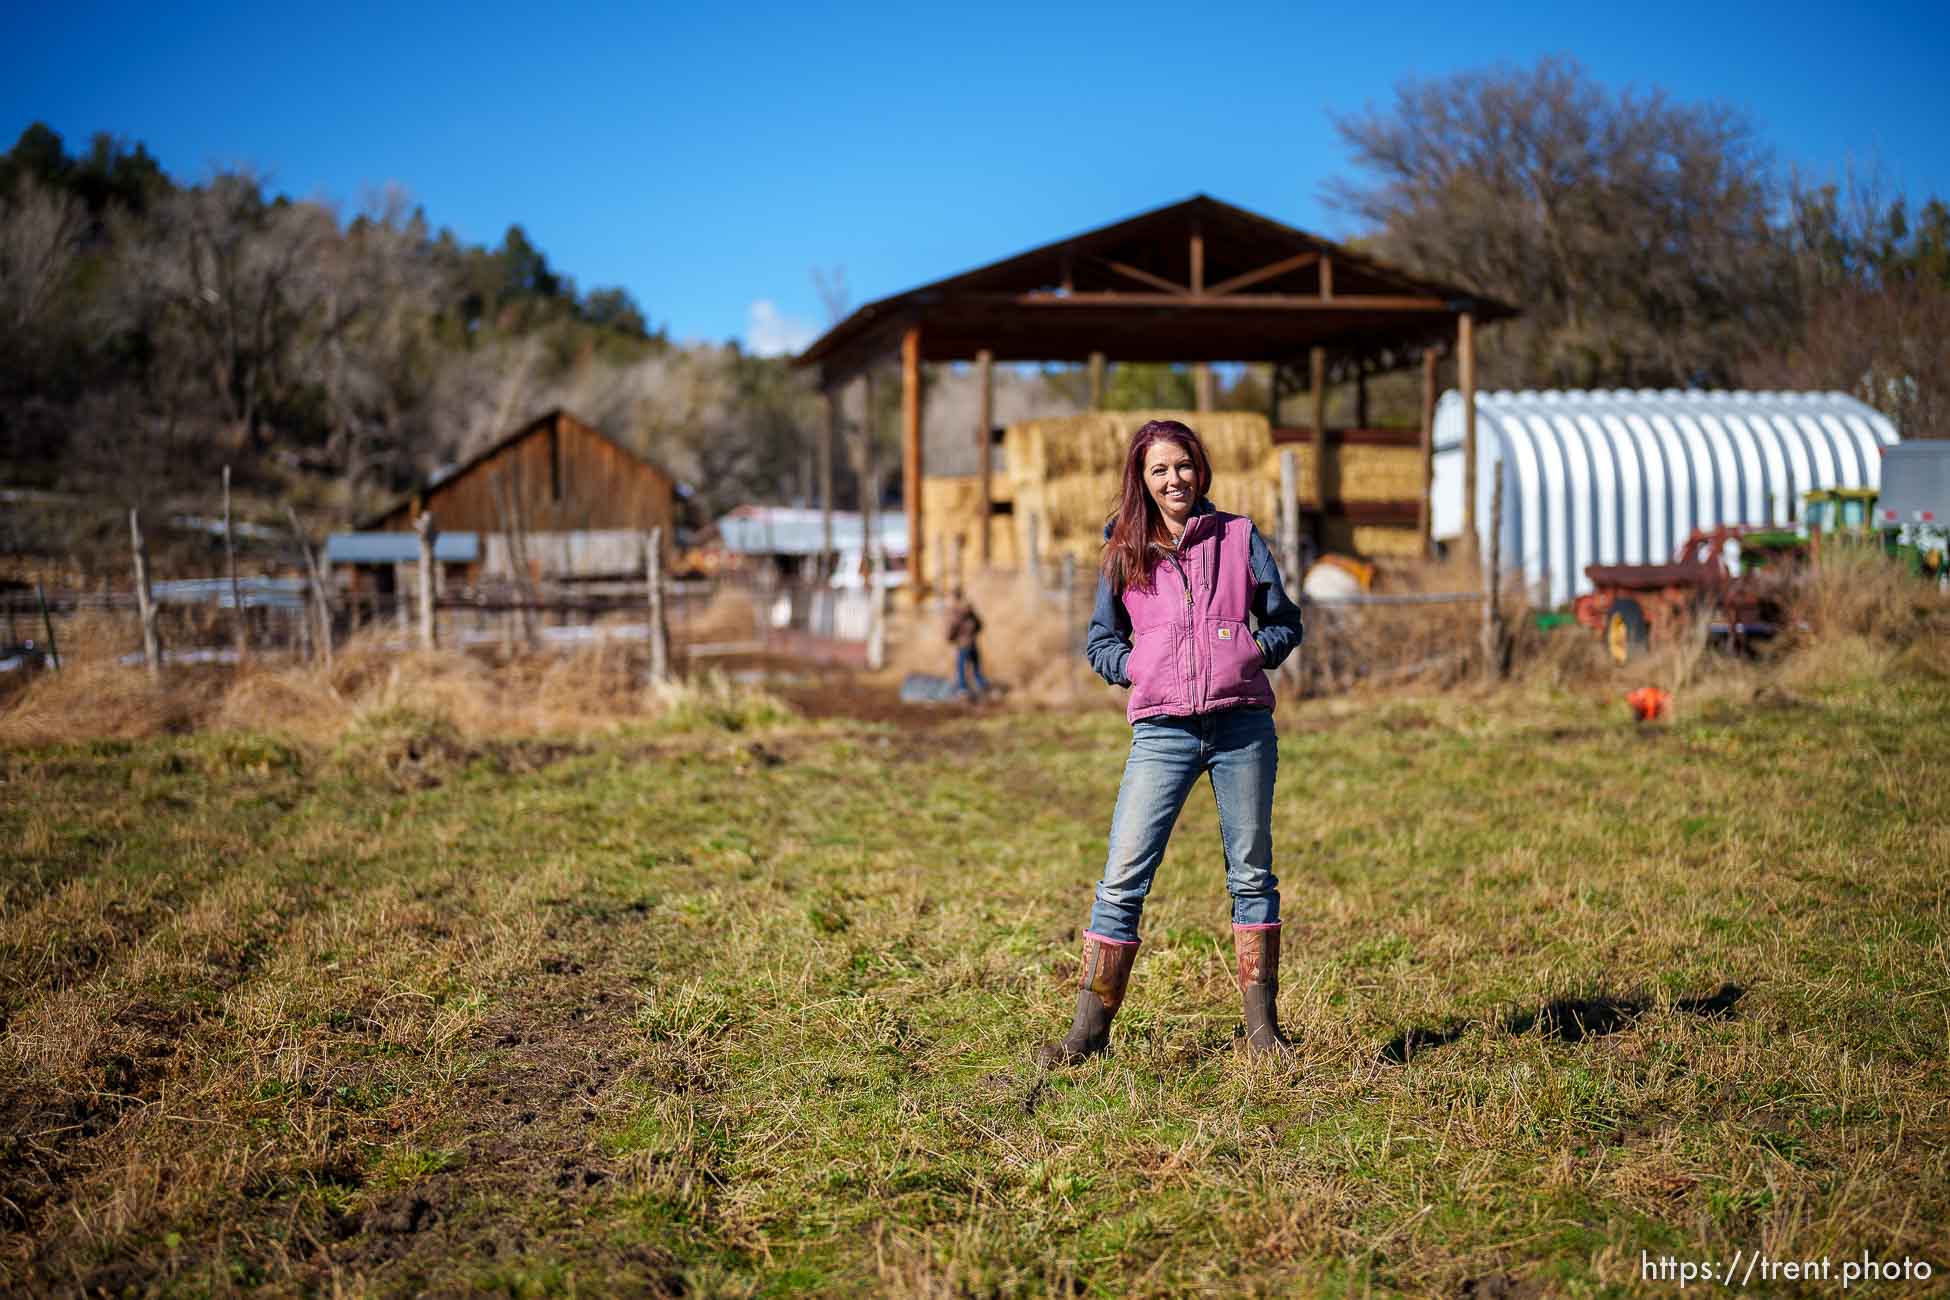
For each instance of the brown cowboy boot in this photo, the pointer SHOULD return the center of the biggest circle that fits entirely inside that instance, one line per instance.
(1100, 991)
(1258, 950)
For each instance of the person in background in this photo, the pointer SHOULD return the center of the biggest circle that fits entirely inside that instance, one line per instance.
(1190, 615)
(964, 631)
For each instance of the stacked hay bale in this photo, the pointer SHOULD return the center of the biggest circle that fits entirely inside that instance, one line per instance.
(1065, 473)
(1370, 473)
(952, 506)
(1359, 473)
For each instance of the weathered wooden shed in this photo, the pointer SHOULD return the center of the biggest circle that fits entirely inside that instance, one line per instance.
(575, 494)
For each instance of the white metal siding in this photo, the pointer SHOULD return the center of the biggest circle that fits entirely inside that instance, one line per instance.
(1621, 477)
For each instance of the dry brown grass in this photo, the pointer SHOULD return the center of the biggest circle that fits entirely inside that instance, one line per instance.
(591, 691)
(92, 698)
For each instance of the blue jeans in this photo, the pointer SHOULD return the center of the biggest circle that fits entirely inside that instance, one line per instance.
(968, 663)
(1167, 755)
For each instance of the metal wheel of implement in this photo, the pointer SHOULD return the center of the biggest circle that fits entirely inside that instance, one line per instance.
(1625, 631)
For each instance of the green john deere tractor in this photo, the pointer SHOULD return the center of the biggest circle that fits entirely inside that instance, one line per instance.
(1848, 516)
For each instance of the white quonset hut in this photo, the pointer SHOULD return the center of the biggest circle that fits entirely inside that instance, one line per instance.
(1622, 477)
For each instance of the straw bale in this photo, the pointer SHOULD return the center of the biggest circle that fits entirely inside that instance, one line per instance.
(1094, 444)
(1303, 456)
(1080, 503)
(1393, 541)
(1250, 495)
(1022, 454)
(1082, 444)
(1355, 472)
(1380, 473)
(952, 506)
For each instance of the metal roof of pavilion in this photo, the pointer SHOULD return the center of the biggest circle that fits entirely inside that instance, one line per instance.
(1197, 280)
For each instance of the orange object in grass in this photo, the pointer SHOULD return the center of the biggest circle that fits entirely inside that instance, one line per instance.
(1650, 704)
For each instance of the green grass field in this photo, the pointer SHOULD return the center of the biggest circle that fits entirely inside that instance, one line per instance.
(743, 1010)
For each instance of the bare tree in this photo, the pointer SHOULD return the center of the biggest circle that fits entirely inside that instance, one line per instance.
(39, 233)
(1633, 231)
(242, 279)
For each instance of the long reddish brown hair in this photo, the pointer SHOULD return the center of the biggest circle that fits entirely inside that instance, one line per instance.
(1138, 523)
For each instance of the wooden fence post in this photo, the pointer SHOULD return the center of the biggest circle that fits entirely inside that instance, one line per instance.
(230, 565)
(320, 607)
(1493, 584)
(144, 602)
(877, 613)
(1035, 549)
(653, 573)
(425, 527)
(47, 622)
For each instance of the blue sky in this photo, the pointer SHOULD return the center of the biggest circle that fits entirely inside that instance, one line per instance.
(707, 157)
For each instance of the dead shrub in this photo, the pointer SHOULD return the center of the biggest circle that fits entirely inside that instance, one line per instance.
(99, 698)
(1858, 591)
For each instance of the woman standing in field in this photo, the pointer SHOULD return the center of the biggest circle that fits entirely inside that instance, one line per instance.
(1178, 582)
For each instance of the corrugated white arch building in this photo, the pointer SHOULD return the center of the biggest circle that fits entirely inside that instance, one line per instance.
(1621, 476)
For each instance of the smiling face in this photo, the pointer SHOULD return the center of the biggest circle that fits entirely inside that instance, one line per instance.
(1172, 480)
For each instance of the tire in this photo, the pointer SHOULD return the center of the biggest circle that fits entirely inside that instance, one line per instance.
(1626, 633)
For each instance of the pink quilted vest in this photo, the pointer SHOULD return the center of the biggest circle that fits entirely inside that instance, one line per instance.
(1192, 649)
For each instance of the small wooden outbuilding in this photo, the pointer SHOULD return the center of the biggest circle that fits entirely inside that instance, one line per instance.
(575, 495)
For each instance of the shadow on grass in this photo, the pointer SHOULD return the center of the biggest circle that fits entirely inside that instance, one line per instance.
(1563, 1019)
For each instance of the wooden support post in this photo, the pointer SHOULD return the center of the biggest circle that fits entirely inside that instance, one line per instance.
(1466, 381)
(985, 453)
(826, 443)
(1422, 525)
(914, 467)
(1273, 395)
(230, 564)
(321, 609)
(1290, 517)
(954, 562)
(1317, 472)
(1493, 584)
(1201, 372)
(145, 603)
(1360, 398)
(653, 578)
(428, 531)
(1099, 368)
(869, 474)
(47, 623)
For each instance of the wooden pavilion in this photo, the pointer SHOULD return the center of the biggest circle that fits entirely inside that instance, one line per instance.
(1198, 281)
